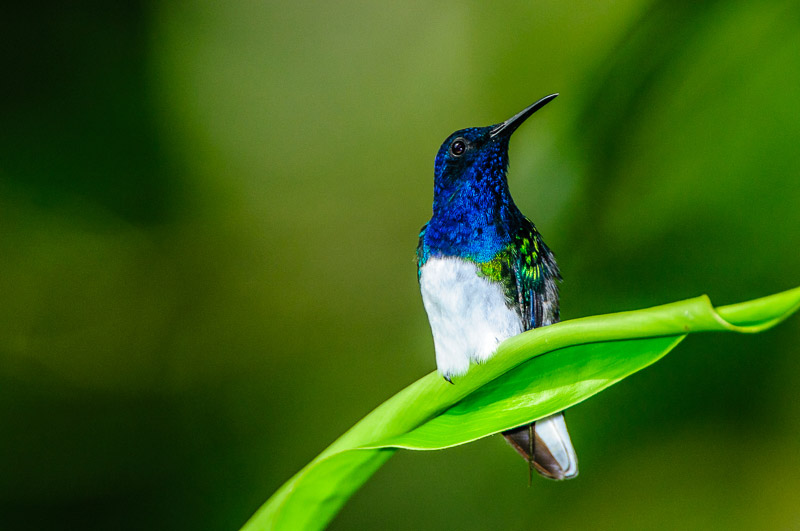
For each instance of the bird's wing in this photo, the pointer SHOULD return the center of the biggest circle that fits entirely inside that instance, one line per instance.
(536, 278)
(528, 272)
(421, 251)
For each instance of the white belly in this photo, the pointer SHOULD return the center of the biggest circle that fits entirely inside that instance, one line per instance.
(468, 314)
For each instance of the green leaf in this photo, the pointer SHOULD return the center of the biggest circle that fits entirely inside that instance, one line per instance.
(533, 375)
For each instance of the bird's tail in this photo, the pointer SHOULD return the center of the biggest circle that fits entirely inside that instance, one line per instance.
(546, 445)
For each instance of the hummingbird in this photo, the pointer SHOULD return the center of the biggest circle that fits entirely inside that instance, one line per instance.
(485, 274)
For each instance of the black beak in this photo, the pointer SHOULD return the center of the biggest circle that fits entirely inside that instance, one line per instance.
(510, 125)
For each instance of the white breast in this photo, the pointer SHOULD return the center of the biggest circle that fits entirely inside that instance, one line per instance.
(468, 313)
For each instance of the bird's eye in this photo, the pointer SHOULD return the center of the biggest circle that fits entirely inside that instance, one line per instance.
(458, 147)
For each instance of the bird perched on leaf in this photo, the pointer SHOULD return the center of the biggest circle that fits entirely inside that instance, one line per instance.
(486, 274)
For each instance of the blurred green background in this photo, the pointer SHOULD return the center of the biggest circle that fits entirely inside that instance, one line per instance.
(208, 216)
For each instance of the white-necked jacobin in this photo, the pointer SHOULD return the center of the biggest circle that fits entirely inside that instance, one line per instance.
(486, 274)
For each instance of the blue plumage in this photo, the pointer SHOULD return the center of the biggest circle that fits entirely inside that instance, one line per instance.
(473, 213)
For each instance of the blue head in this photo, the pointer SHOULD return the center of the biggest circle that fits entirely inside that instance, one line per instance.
(473, 213)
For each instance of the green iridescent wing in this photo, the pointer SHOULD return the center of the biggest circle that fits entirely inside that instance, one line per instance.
(421, 255)
(529, 273)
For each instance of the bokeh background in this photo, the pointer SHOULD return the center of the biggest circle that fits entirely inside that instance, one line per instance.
(208, 215)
